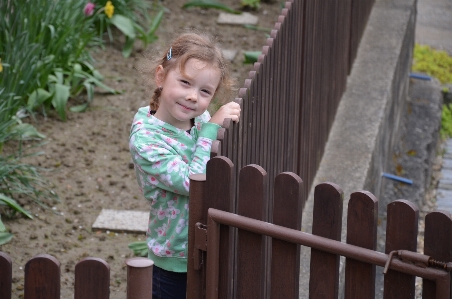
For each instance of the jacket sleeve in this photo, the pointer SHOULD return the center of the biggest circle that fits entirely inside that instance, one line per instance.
(160, 165)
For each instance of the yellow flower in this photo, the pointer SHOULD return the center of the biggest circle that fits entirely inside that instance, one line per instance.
(1, 66)
(109, 9)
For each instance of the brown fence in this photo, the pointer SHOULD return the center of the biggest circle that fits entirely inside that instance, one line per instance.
(290, 98)
(231, 254)
(92, 278)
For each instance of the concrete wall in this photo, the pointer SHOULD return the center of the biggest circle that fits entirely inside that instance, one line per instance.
(366, 126)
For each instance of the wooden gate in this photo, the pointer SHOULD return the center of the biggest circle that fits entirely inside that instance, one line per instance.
(235, 251)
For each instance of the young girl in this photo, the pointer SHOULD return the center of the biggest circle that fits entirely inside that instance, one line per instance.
(170, 140)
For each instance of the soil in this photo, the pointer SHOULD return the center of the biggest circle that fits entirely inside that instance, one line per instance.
(88, 158)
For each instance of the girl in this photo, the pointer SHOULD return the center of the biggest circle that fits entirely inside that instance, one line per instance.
(170, 140)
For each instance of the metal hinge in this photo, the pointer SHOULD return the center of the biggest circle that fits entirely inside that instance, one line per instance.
(200, 244)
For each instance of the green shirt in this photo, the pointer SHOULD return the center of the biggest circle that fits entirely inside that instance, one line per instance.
(164, 158)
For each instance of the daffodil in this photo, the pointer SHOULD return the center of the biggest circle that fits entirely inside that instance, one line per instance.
(1, 66)
(109, 9)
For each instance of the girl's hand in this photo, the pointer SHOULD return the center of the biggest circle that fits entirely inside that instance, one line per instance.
(230, 110)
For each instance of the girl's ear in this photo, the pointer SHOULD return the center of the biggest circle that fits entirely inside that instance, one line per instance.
(159, 75)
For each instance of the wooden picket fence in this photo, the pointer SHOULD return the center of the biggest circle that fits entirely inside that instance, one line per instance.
(291, 95)
(92, 278)
(237, 251)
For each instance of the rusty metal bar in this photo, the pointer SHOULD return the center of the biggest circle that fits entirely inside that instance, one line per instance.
(216, 217)
(139, 277)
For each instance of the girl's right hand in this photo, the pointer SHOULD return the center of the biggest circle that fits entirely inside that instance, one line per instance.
(230, 110)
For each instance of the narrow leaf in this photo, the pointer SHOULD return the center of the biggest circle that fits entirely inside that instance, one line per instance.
(13, 204)
(210, 4)
(5, 237)
(60, 99)
(124, 24)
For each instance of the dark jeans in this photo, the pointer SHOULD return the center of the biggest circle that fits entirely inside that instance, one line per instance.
(168, 285)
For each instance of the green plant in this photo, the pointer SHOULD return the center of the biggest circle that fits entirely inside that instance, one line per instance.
(37, 43)
(251, 56)
(432, 62)
(139, 248)
(131, 17)
(210, 4)
(437, 64)
(253, 4)
(18, 179)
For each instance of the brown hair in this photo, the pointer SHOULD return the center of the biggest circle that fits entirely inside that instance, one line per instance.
(199, 46)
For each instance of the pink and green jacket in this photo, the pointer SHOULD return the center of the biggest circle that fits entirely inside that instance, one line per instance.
(164, 158)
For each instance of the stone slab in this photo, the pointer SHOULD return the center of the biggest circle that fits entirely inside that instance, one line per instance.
(121, 220)
(447, 164)
(244, 18)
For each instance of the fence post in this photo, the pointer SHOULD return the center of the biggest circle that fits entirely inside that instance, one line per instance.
(401, 233)
(327, 222)
(285, 258)
(251, 247)
(362, 219)
(92, 279)
(42, 278)
(437, 244)
(220, 194)
(6, 272)
(139, 278)
(196, 275)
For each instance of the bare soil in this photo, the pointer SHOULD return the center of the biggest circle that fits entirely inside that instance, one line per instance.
(89, 160)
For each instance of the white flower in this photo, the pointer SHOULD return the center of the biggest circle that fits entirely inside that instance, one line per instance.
(174, 165)
(166, 179)
(180, 226)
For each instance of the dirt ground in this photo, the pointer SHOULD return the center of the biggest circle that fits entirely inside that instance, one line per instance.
(89, 158)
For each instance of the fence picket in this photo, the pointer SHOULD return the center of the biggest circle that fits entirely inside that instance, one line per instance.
(437, 244)
(42, 278)
(6, 272)
(401, 233)
(92, 279)
(327, 222)
(219, 195)
(251, 247)
(196, 274)
(285, 261)
(361, 231)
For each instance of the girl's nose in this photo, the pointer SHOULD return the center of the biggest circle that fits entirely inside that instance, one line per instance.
(192, 96)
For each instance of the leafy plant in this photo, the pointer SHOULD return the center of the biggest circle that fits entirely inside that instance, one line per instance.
(432, 62)
(38, 43)
(139, 248)
(210, 4)
(131, 18)
(251, 56)
(437, 64)
(253, 4)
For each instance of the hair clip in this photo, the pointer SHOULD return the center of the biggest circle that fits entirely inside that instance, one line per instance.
(169, 54)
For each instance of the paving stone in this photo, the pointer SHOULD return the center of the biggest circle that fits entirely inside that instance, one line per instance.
(446, 174)
(447, 164)
(445, 185)
(229, 54)
(444, 194)
(242, 19)
(120, 220)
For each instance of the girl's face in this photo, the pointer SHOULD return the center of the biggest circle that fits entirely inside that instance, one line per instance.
(185, 96)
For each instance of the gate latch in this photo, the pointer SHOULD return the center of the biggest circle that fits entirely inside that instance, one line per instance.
(200, 244)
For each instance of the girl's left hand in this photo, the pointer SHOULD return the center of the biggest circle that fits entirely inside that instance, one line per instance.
(230, 110)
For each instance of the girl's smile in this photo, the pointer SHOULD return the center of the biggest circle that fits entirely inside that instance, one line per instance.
(186, 94)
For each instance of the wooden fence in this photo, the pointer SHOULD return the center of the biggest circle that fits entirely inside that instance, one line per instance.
(290, 98)
(241, 253)
(92, 278)
(238, 259)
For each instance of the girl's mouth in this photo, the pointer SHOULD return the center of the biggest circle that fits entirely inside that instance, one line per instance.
(185, 107)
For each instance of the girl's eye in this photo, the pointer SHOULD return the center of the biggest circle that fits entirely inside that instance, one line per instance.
(185, 82)
(206, 91)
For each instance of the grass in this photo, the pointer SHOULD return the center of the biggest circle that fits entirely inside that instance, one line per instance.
(437, 64)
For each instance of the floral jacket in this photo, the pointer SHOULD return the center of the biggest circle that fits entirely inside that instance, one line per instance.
(164, 158)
